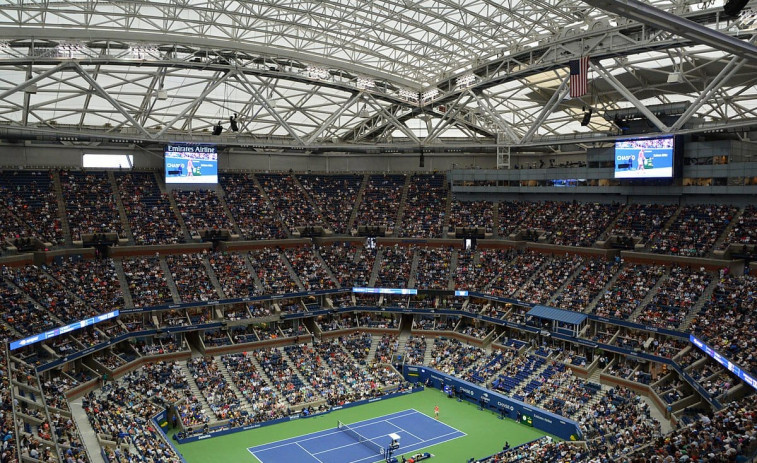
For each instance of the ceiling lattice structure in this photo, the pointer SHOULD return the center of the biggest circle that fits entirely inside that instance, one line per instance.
(353, 75)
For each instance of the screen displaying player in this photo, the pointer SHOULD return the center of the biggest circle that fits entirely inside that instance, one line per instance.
(644, 158)
(191, 164)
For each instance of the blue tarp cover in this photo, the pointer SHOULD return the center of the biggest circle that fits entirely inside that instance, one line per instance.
(560, 315)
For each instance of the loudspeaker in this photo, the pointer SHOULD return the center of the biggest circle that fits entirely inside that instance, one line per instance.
(733, 7)
(587, 118)
(422, 161)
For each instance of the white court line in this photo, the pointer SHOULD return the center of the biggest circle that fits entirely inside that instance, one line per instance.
(306, 451)
(402, 429)
(440, 421)
(293, 440)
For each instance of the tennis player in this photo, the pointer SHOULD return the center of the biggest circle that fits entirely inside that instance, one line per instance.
(436, 412)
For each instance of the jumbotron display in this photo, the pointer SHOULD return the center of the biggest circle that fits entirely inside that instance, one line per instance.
(645, 158)
(191, 164)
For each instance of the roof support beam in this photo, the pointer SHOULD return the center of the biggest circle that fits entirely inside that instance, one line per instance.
(35, 79)
(629, 96)
(484, 102)
(97, 88)
(448, 118)
(194, 104)
(391, 119)
(729, 70)
(262, 101)
(647, 14)
(330, 120)
(555, 100)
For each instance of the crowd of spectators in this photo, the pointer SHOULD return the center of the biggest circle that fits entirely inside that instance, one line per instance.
(727, 321)
(415, 350)
(335, 196)
(570, 223)
(467, 214)
(513, 215)
(284, 377)
(694, 232)
(515, 273)
(263, 400)
(191, 277)
(48, 292)
(289, 201)
(8, 453)
(477, 269)
(90, 203)
(120, 414)
(433, 270)
(151, 218)
(147, 283)
(381, 201)
(19, 312)
(93, 280)
(395, 267)
(632, 286)
(350, 263)
(744, 230)
(233, 274)
(425, 205)
(586, 285)
(272, 272)
(675, 298)
(201, 210)
(641, 220)
(28, 207)
(254, 215)
(550, 277)
(725, 436)
(386, 348)
(308, 268)
(221, 398)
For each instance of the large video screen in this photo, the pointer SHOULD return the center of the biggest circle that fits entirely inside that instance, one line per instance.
(191, 164)
(644, 158)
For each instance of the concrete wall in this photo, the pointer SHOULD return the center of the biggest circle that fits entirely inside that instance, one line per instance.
(71, 157)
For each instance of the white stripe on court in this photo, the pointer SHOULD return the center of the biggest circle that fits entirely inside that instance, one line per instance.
(306, 451)
(320, 434)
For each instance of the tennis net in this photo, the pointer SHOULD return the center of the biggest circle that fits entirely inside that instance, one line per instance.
(360, 438)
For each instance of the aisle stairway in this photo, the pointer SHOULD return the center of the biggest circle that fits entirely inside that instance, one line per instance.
(118, 265)
(120, 206)
(169, 280)
(88, 435)
(196, 390)
(648, 298)
(403, 204)
(62, 208)
(358, 201)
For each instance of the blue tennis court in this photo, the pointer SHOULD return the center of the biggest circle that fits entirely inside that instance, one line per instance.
(417, 431)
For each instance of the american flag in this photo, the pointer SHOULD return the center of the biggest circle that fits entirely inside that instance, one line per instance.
(579, 71)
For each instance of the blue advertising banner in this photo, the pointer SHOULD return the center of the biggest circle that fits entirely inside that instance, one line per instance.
(63, 330)
(548, 422)
(224, 430)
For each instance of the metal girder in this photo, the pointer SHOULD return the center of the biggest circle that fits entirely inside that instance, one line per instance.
(93, 83)
(629, 96)
(448, 117)
(647, 14)
(391, 119)
(726, 73)
(262, 101)
(330, 120)
(553, 102)
(209, 88)
(43, 75)
(504, 127)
